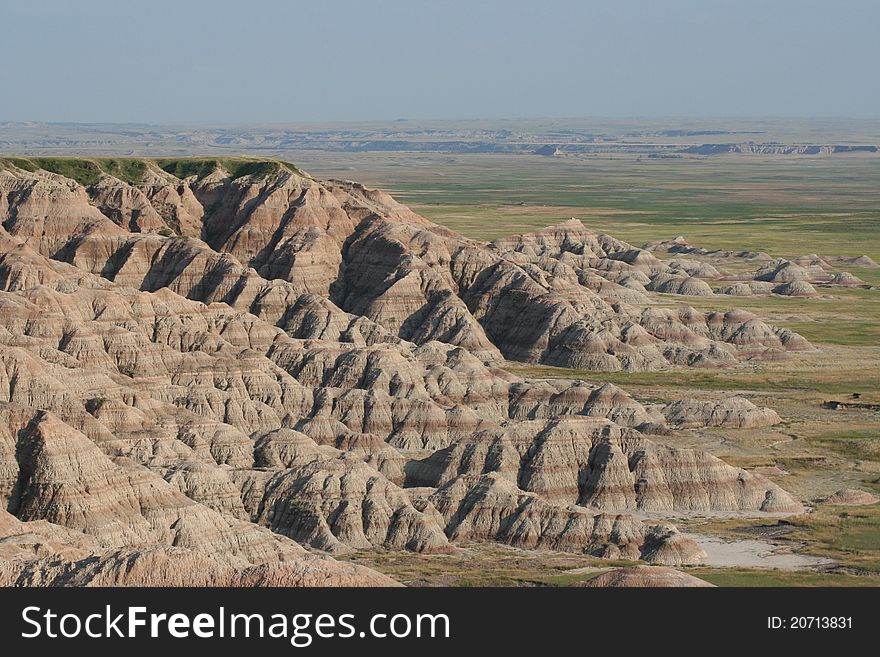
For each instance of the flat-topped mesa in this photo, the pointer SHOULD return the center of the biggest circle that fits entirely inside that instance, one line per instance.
(302, 254)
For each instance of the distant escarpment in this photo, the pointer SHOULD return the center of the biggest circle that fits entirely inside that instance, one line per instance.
(224, 367)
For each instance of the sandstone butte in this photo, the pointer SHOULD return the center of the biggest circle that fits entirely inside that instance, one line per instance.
(229, 377)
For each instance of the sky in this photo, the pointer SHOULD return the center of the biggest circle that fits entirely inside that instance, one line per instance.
(275, 61)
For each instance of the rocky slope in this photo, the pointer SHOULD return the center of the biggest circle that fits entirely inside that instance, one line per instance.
(39, 553)
(231, 364)
(850, 497)
(646, 576)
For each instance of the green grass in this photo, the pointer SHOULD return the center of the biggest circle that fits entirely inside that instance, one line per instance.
(88, 171)
(295, 169)
(85, 172)
(849, 535)
(785, 206)
(783, 231)
(127, 169)
(861, 444)
(258, 169)
(19, 162)
(236, 167)
(184, 168)
(778, 578)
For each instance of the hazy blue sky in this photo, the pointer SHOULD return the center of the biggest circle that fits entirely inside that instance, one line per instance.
(275, 61)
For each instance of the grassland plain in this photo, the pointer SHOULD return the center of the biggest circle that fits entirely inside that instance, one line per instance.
(785, 206)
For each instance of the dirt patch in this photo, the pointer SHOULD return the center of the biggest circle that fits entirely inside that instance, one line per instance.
(753, 553)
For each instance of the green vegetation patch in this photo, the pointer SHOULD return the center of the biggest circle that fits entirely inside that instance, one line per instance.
(861, 444)
(19, 162)
(184, 168)
(779, 578)
(295, 169)
(239, 169)
(88, 171)
(128, 169)
(848, 534)
(85, 172)
(235, 167)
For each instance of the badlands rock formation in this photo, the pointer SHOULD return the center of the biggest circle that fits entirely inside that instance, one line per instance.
(212, 370)
(735, 412)
(40, 553)
(646, 576)
(595, 463)
(795, 278)
(377, 272)
(851, 497)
